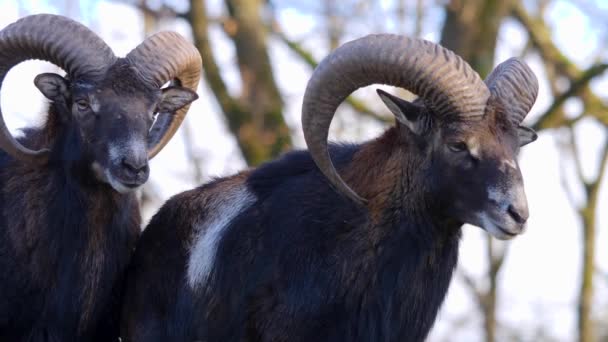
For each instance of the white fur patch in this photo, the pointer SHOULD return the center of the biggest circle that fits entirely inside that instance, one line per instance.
(473, 145)
(94, 103)
(492, 228)
(499, 197)
(515, 196)
(128, 147)
(118, 186)
(518, 196)
(219, 214)
(116, 152)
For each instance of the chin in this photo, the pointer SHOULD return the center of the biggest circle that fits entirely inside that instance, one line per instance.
(120, 186)
(500, 230)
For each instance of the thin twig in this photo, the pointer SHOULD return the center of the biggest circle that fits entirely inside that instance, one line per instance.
(307, 57)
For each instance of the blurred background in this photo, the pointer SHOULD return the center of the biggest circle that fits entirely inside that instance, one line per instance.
(550, 284)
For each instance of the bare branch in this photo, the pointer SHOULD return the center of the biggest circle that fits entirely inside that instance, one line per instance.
(576, 87)
(568, 148)
(199, 21)
(333, 23)
(163, 12)
(470, 284)
(307, 57)
(419, 18)
(594, 186)
(541, 38)
(194, 158)
(497, 259)
(577, 160)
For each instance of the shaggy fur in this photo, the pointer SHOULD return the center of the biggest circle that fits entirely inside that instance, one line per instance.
(65, 241)
(302, 263)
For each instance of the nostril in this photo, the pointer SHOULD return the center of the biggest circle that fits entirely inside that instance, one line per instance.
(518, 215)
(134, 166)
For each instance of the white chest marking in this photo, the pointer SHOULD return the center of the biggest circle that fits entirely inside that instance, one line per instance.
(219, 214)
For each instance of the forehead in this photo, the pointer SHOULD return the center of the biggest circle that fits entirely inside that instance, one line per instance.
(492, 131)
(493, 124)
(123, 80)
(122, 89)
(109, 100)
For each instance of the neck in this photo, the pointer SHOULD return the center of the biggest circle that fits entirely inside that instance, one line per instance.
(389, 173)
(412, 248)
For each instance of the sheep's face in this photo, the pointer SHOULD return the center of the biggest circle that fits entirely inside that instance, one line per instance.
(478, 177)
(113, 118)
(474, 174)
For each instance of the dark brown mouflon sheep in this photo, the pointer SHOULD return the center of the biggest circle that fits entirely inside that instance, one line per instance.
(69, 217)
(290, 252)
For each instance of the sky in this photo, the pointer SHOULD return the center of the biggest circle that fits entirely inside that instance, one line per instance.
(541, 272)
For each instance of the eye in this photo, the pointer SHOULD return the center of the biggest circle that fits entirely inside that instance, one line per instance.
(458, 146)
(82, 105)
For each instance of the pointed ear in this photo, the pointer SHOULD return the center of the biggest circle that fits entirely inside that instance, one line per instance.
(52, 86)
(174, 98)
(526, 135)
(405, 112)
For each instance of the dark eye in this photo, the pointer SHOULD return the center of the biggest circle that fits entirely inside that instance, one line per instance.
(458, 146)
(82, 105)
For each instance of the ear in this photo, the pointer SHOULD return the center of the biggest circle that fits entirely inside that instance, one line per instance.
(526, 135)
(174, 98)
(52, 86)
(405, 112)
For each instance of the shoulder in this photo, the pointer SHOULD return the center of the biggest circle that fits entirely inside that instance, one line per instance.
(295, 165)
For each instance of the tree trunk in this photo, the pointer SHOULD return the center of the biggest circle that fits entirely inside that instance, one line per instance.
(471, 30)
(585, 304)
(495, 261)
(255, 118)
(263, 128)
(586, 327)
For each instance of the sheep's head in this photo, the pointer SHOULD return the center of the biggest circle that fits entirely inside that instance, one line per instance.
(116, 105)
(468, 131)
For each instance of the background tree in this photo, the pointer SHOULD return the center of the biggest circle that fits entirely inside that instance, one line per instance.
(255, 117)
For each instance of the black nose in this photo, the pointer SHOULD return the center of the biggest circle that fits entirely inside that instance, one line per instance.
(135, 166)
(519, 215)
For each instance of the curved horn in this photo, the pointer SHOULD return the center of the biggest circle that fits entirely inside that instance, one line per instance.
(59, 40)
(161, 58)
(443, 80)
(514, 83)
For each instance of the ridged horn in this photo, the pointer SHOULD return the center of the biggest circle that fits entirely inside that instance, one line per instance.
(446, 83)
(514, 84)
(161, 58)
(56, 39)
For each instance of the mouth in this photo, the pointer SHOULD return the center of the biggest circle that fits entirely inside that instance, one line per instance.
(131, 186)
(122, 186)
(128, 184)
(119, 184)
(506, 232)
(500, 230)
